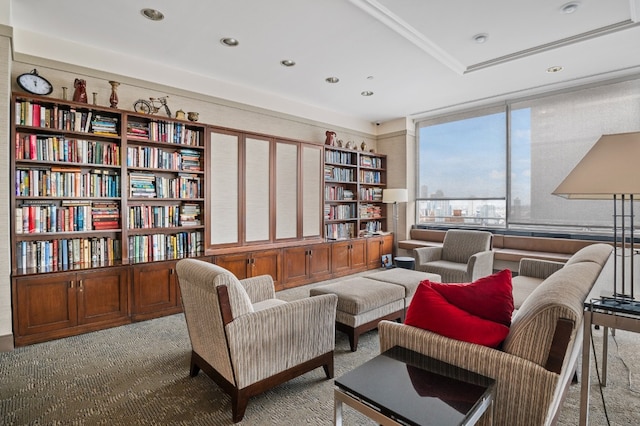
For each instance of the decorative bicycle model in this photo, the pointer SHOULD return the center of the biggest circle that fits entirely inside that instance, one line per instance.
(149, 106)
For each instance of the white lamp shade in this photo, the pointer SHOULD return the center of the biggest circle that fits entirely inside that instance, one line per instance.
(610, 167)
(395, 196)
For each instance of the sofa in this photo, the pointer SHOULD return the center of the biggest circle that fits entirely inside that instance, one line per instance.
(536, 362)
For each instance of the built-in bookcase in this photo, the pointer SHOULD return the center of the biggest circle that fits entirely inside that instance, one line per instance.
(353, 183)
(96, 186)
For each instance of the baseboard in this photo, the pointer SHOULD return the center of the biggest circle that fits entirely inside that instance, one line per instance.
(6, 343)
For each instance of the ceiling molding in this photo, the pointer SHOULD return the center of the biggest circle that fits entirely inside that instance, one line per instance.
(401, 27)
(598, 32)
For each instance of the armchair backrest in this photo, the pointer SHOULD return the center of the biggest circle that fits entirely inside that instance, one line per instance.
(460, 244)
(199, 281)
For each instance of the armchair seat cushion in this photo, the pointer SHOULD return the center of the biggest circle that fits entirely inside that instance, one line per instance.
(267, 304)
(447, 268)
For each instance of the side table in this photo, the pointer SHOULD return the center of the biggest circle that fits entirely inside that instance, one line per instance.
(403, 387)
(616, 313)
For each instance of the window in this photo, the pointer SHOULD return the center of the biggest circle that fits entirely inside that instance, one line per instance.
(463, 162)
(462, 176)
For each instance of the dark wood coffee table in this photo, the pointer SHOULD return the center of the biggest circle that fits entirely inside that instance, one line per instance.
(402, 387)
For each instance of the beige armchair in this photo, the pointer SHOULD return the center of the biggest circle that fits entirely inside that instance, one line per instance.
(245, 339)
(465, 256)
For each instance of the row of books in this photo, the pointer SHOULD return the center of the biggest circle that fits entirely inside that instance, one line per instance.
(147, 185)
(368, 176)
(339, 231)
(163, 131)
(368, 211)
(338, 157)
(55, 148)
(144, 216)
(54, 255)
(337, 193)
(151, 157)
(144, 248)
(339, 174)
(373, 162)
(42, 216)
(372, 226)
(66, 182)
(53, 117)
(339, 212)
(371, 194)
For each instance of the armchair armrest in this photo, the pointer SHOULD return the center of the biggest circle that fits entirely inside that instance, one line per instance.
(538, 268)
(480, 265)
(259, 288)
(523, 389)
(282, 336)
(423, 255)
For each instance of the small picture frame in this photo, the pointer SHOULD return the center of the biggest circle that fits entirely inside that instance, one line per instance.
(387, 261)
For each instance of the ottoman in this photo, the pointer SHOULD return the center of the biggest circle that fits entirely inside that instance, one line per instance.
(407, 278)
(362, 304)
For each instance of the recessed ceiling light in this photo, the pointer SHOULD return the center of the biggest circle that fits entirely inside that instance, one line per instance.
(370, 77)
(480, 38)
(229, 41)
(570, 7)
(332, 79)
(367, 93)
(287, 63)
(154, 15)
(556, 68)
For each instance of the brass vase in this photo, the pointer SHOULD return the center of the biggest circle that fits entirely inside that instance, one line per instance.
(113, 99)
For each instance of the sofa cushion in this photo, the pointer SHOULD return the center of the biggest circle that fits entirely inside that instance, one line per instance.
(430, 310)
(489, 297)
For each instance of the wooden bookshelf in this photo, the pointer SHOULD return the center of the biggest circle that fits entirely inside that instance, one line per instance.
(353, 184)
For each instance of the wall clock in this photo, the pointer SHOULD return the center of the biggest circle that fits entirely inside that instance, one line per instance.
(34, 83)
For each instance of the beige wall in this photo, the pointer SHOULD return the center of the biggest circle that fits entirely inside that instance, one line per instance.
(215, 111)
(6, 337)
(399, 147)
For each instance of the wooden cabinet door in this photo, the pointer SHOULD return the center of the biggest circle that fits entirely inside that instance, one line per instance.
(320, 262)
(296, 267)
(267, 262)
(237, 264)
(44, 304)
(376, 248)
(155, 290)
(358, 255)
(340, 257)
(374, 252)
(103, 296)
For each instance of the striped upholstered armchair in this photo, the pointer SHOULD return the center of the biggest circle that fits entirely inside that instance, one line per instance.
(244, 338)
(465, 256)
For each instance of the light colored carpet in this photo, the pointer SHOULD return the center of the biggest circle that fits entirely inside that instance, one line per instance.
(139, 374)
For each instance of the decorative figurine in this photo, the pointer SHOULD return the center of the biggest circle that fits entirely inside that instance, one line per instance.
(95, 98)
(363, 146)
(331, 138)
(180, 115)
(80, 94)
(193, 116)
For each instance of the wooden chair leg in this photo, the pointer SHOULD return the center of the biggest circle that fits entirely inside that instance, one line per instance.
(328, 369)
(239, 401)
(195, 369)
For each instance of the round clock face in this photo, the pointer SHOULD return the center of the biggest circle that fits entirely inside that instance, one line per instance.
(33, 83)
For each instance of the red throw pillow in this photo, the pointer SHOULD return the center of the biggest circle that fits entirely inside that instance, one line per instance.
(489, 297)
(429, 310)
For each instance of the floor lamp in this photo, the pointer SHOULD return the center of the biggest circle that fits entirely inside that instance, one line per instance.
(609, 171)
(395, 196)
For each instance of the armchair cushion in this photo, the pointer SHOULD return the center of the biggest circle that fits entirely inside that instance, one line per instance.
(489, 297)
(431, 311)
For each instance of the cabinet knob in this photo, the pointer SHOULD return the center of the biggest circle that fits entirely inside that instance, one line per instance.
(72, 284)
(80, 285)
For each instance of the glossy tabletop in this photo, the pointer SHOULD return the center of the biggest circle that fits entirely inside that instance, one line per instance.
(415, 389)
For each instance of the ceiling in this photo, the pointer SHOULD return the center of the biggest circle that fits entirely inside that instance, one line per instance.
(416, 56)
